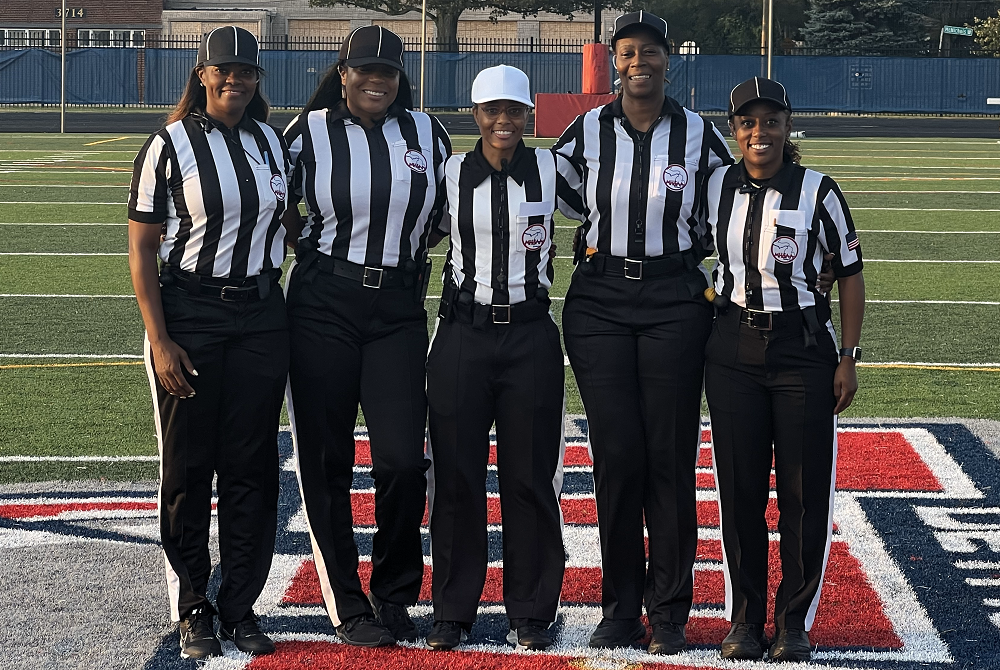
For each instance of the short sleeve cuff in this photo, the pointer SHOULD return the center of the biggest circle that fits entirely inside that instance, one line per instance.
(147, 217)
(849, 270)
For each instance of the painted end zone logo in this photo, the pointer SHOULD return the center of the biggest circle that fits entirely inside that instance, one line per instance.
(913, 579)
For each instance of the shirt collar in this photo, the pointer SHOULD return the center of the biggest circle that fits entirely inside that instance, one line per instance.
(614, 108)
(208, 124)
(737, 177)
(479, 169)
(342, 112)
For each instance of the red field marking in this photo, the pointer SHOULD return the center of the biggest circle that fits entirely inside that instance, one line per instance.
(55, 509)
(850, 613)
(332, 655)
(576, 454)
(881, 461)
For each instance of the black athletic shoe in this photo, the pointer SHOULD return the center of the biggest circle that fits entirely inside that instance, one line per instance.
(668, 638)
(790, 644)
(612, 633)
(198, 638)
(533, 635)
(364, 631)
(395, 618)
(446, 635)
(745, 642)
(247, 636)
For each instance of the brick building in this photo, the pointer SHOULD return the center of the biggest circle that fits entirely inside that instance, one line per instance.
(96, 23)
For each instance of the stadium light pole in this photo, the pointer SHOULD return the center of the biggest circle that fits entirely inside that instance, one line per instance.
(62, 78)
(423, 48)
(770, 36)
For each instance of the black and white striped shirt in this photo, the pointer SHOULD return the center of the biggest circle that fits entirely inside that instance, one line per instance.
(220, 192)
(771, 240)
(371, 195)
(637, 192)
(500, 224)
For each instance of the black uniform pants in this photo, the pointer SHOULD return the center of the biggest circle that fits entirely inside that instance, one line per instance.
(637, 350)
(229, 428)
(511, 374)
(351, 344)
(770, 396)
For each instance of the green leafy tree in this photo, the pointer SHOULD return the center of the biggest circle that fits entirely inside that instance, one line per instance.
(988, 33)
(867, 26)
(445, 13)
(727, 24)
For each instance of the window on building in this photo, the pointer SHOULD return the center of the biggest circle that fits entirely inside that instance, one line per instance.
(23, 38)
(110, 38)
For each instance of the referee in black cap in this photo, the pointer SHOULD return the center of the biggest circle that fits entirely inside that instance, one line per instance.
(216, 349)
(370, 171)
(774, 377)
(635, 324)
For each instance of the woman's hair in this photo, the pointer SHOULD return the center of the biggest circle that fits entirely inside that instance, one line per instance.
(791, 151)
(330, 92)
(194, 100)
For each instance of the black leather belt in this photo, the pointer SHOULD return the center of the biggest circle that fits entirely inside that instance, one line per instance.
(642, 268)
(229, 290)
(369, 276)
(759, 320)
(477, 314)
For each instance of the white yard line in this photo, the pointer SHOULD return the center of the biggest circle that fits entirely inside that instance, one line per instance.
(64, 295)
(918, 209)
(100, 356)
(903, 178)
(63, 224)
(78, 459)
(64, 185)
(890, 260)
(61, 253)
(935, 232)
(60, 202)
(932, 191)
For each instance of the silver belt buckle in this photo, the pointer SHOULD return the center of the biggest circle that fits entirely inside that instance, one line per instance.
(500, 313)
(222, 293)
(633, 269)
(372, 277)
(755, 317)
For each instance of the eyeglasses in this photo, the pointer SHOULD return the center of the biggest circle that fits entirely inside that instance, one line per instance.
(514, 112)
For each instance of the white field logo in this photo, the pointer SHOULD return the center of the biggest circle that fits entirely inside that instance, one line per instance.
(784, 249)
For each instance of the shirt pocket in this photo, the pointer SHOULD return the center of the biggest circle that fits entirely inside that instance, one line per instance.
(785, 237)
(531, 230)
(271, 186)
(667, 177)
(406, 161)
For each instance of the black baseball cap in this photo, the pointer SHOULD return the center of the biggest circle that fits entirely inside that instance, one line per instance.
(229, 44)
(626, 24)
(369, 45)
(756, 89)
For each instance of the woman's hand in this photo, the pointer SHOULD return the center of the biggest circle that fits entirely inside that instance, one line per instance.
(169, 362)
(845, 383)
(825, 278)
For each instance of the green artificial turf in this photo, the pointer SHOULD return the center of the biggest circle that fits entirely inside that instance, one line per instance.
(53, 410)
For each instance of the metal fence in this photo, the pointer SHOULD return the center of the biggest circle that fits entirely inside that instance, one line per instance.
(148, 76)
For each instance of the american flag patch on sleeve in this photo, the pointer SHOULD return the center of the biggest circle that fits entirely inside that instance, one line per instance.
(852, 240)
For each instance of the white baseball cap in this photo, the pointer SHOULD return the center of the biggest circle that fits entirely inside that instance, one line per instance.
(502, 82)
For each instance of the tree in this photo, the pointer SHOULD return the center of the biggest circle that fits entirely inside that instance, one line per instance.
(727, 25)
(867, 26)
(988, 33)
(445, 13)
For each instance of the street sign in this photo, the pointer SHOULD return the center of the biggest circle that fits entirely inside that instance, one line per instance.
(957, 30)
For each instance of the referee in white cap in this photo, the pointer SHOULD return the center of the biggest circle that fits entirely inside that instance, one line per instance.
(214, 178)
(774, 378)
(369, 169)
(635, 323)
(496, 358)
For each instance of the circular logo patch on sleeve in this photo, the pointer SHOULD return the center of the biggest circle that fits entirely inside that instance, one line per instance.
(784, 249)
(278, 186)
(533, 237)
(675, 177)
(415, 161)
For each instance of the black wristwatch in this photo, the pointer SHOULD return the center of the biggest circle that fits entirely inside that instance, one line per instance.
(853, 352)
